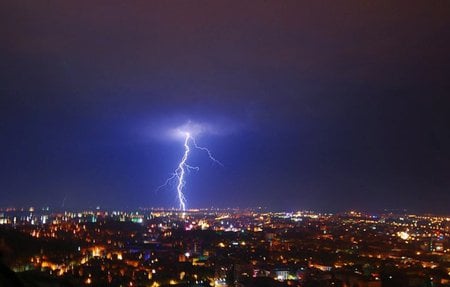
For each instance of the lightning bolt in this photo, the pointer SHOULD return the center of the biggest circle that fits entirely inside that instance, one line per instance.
(207, 151)
(183, 167)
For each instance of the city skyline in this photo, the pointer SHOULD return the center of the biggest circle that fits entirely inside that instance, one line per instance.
(224, 248)
(318, 106)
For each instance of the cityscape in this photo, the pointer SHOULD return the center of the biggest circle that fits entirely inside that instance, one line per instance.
(226, 247)
(225, 143)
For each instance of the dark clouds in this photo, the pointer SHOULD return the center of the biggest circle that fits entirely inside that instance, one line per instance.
(341, 103)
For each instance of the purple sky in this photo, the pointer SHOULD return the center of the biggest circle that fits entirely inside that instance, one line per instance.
(325, 105)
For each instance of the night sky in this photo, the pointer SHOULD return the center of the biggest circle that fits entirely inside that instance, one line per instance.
(322, 105)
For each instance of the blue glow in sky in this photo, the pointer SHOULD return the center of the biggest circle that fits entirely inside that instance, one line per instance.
(325, 106)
